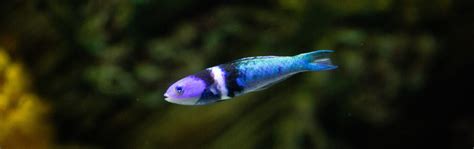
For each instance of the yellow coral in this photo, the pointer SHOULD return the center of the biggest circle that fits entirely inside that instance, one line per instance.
(4, 59)
(22, 113)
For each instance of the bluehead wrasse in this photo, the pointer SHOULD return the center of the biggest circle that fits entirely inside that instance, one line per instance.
(242, 76)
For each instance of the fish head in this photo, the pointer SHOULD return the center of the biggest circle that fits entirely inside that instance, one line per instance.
(186, 91)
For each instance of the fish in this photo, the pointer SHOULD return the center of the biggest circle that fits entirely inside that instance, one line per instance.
(245, 75)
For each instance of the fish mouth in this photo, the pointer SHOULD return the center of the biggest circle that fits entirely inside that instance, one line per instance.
(167, 98)
(182, 101)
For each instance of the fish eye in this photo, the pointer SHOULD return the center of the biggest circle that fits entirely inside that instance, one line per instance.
(179, 89)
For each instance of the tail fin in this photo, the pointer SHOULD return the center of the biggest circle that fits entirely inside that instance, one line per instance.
(317, 60)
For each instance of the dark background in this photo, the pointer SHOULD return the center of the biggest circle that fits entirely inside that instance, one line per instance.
(91, 74)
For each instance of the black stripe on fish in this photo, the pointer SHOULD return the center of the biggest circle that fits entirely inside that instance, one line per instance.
(206, 76)
(208, 96)
(231, 74)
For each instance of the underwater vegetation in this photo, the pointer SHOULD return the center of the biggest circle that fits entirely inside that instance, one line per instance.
(92, 74)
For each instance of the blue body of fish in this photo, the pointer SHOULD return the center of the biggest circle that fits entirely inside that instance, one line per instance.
(245, 75)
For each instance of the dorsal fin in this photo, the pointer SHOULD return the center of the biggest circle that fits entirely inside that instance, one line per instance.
(255, 57)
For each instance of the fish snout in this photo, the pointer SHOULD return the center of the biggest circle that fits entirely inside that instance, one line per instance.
(167, 98)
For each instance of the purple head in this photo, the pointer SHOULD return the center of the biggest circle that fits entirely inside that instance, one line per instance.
(186, 91)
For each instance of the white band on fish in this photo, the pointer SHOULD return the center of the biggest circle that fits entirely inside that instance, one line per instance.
(219, 78)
